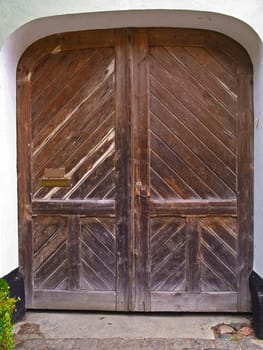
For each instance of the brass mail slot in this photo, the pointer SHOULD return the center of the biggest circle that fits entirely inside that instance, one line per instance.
(55, 177)
(54, 182)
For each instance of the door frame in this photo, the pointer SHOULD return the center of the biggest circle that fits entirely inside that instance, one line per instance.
(130, 244)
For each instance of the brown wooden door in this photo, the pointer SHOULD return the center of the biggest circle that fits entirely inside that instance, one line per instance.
(135, 177)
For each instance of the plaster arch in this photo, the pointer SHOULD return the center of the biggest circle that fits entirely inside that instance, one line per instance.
(16, 44)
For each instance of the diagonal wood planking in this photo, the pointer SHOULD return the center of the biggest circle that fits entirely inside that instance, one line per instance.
(50, 267)
(190, 82)
(168, 259)
(98, 254)
(97, 245)
(74, 130)
(196, 147)
(218, 254)
(193, 156)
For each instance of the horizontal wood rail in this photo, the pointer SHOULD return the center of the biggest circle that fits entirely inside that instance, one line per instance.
(91, 300)
(193, 207)
(67, 207)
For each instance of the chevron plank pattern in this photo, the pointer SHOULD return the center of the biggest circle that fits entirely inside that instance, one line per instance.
(153, 128)
(168, 241)
(218, 254)
(72, 123)
(50, 264)
(193, 126)
(98, 252)
(52, 248)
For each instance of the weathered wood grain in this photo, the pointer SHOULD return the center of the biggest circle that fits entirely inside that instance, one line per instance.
(179, 37)
(73, 250)
(193, 272)
(198, 206)
(140, 121)
(98, 254)
(24, 179)
(74, 300)
(154, 128)
(194, 302)
(104, 207)
(245, 195)
(123, 172)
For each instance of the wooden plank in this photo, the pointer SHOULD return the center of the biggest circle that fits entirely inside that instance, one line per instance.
(49, 275)
(76, 93)
(231, 52)
(212, 239)
(83, 207)
(139, 76)
(245, 180)
(182, 177)
(86, 39)
(24, 180)
(188, 84)
(212, 86)
(193, 207)
(225, 228)
(168, 254)
(194, 302)
(105, 207)
(175, 37)
(193, 255)
(214, 68)
(73, 252)
(223, 129)
(47, 66)
(80, 165)
(172, 125)
(36, 52)
(123, 171)
(98, 254)
(70, 300)
(26, 258)
(56, 43)
(49, 233)
(173, 140)
(183, 92)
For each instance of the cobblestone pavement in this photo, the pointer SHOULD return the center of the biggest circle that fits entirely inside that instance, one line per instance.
(33, 341)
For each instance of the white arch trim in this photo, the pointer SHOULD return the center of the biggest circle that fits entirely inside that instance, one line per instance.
(16, 44)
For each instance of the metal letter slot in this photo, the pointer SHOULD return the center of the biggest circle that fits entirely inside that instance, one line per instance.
(55, 177)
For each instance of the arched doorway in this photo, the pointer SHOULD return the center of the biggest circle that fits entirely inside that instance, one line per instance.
(135, 171)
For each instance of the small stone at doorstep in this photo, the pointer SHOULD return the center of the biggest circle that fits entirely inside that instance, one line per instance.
(245, 331)
(225, 329)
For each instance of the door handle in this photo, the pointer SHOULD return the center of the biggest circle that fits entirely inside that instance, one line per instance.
(141, 190)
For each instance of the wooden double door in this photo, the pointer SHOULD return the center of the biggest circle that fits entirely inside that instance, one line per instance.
(135, 171)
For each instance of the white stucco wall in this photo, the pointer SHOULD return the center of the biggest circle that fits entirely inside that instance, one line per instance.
(24, 21)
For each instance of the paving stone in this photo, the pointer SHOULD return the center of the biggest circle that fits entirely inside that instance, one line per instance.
(119, 344)
(201, 344)
(85, 344)
(32, 344)
(178, 344)
(248, 343)
(27, 330)
(60, 344)
(251, 344)
(156, 344)
(227, 344)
